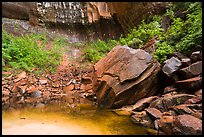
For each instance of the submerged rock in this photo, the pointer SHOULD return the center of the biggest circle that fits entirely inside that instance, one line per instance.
(124, 76)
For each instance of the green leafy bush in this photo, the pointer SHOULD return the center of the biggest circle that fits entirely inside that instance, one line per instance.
(96, 50)
(24, 52)
(145, 31)
(163, 51)
(183, 35)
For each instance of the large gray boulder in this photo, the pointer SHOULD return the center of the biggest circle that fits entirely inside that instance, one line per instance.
(172, 65)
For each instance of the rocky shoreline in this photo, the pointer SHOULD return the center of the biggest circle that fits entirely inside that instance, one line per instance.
(166, 98)
(177, 110)
(70, 86)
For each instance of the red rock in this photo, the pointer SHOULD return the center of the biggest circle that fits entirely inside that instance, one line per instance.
(35, 80)
(199, 92)
(196, 56)
(193, 70)
(20, 76)
(194, 106)
(125, 110)
(70, 100)
(9, 77)
(76, 94)
(84, 101)
(69, 93)
(143, 103)
(55, 85)
(23, 82)
(169, 113)
(43, 81)
(22, 89)
(32, 89)
(184, 60)
(90, 91)
(182, 109)
(86, 79)
(169, 89)
(55, 90)
(124, 76)
(197, 114)
(3, 83)
(88, 87)
(4, 99)
(141, 118)
(83, 86)
(6, 73)
(190, 84)
(187, 125)
(5, 92)
(153, 112)
(194, 100)
(77, 86)
(166, 124)
(68, 88)
(166, 102)
(15, 89)
(30, 100)
(46, 94)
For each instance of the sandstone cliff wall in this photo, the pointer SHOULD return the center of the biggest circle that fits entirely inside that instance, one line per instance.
(105, 19)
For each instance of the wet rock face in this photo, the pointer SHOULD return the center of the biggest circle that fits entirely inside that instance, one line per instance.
(63, 12)
(124, 76)
(81, 21)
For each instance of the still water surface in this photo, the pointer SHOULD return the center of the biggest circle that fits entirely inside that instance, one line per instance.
(56, 120)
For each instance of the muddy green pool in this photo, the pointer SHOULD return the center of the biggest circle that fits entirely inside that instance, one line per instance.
(56, 120)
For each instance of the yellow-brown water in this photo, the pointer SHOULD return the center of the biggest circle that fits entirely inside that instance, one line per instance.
(56, 120)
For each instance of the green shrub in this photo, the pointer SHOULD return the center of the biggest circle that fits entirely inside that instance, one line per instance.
(163, 51)
(137, 37)
(183, 35)
(96, 50)
(24, 52)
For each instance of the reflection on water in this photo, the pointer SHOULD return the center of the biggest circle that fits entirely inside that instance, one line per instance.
(84, 119)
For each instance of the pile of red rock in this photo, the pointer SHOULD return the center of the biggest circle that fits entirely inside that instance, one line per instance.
(178, 110)
(67, 87)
